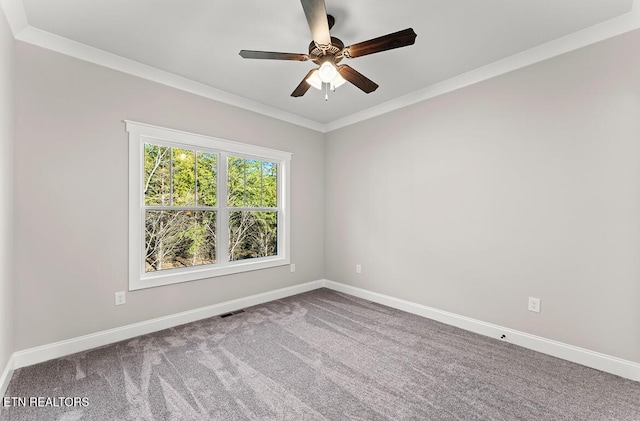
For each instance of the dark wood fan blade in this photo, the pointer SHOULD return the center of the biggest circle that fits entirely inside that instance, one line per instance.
(273, 56)
(357, 78)
(304, 85)
(383, 43)
(316, 14)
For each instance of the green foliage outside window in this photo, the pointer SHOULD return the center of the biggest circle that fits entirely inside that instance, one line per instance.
(180, 193)
(252, 184)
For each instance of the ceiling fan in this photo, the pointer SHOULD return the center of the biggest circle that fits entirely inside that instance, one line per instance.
(327, 51)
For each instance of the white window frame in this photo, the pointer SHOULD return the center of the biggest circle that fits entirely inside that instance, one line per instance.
(139, 134)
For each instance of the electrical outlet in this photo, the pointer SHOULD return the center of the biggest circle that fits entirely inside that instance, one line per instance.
(120, 298)
(293, 267)
(358, 268)
(534, 304)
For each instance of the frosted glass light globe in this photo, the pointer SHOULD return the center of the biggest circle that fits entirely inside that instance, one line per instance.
(314, 80)
(327, 72)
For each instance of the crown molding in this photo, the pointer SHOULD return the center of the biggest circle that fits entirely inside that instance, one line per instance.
(94, 55)
(16, 16)
(559, 46)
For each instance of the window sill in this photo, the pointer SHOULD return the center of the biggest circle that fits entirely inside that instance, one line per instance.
(173, 276)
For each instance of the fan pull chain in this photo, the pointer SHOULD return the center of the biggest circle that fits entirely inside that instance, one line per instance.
(326, 92)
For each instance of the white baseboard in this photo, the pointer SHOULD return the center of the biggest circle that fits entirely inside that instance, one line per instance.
(6, 377)
(82, 343)
(617, 366)
(603, 362)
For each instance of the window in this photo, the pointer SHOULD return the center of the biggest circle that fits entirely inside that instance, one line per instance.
(202, 207)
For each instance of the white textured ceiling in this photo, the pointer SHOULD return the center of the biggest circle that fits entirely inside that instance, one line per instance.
(200, 40)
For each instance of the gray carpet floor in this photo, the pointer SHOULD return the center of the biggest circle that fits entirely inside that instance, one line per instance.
(320, 355)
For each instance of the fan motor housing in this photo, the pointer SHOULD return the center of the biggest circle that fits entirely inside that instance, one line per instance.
(316, 54)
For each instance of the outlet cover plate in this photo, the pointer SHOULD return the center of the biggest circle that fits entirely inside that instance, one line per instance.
(120, 298)
(534, 304)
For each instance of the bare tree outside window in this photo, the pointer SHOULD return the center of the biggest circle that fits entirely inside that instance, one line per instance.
(180, 197)
(202, 207)
(179, 192)
(252, 199)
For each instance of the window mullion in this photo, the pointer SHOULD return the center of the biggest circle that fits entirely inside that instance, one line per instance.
(222, 235)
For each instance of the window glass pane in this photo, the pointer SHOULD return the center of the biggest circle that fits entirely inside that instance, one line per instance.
(176, 239)
(235, 182)
(252, 234)
(269, 184)
(203, 238)
(253, 184)
(156, 183)
(184, 177)
(206, 179)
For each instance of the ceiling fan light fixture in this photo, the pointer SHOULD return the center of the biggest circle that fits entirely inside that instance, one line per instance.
(337, 82)
(327, 71)
(327, 51)
(314, 80)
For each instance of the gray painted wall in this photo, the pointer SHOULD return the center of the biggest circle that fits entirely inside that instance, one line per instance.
(527, 184)
(71, 202)
(6, 191)
(524, 185)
